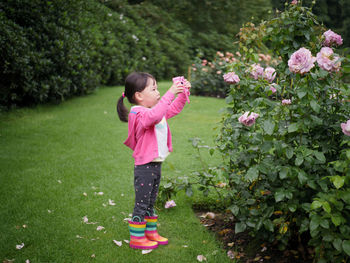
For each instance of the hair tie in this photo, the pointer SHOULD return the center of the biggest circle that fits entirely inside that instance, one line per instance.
(123, 95)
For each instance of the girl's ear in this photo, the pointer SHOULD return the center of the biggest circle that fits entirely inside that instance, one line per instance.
(138, 97)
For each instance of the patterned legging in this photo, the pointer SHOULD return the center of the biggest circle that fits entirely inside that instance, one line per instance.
(146, 184)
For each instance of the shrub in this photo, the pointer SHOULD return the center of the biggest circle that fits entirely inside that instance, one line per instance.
(288, 166)
(207, 76)
(283, 138)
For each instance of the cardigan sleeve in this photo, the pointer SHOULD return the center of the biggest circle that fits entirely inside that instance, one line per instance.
(150, 117)
(176, 106)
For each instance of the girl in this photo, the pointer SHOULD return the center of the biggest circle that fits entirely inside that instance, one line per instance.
(150, 138)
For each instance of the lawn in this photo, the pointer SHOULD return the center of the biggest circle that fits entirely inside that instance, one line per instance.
(57, 160)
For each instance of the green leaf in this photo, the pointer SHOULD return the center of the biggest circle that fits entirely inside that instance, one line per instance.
(292, 207)
(240, 227)
(299, 160)
(279, 195)
(289, 152)
(324, 223)
(314, 223)
(302, 177)
(326, 207)
(346, 246)
(268, 225)
(234, 209)
(293, 127)
(338, 181)
(189, 191)
(301, 94)
(337, 244)
(268, 126)
(252, 174)
(336, 219)
(284, 172)
(320, 156)
(348, 154)
(316, 204)
(211, 151)
(314, 105)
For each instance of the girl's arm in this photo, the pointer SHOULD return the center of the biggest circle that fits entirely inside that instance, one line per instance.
(177, 106)
(150, 117)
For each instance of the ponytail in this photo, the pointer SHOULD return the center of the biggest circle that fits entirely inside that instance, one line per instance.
(122, 110)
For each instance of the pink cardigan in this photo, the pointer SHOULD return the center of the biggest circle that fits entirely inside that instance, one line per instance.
(141, 126)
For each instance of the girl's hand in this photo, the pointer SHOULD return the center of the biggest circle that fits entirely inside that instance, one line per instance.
(187, 84)
(176, 89)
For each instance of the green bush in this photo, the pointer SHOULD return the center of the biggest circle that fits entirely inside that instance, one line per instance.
(287, 169)
(289, 172)
(207, 76)
(45, 51)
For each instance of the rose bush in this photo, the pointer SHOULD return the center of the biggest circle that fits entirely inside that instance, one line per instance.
(288, 171)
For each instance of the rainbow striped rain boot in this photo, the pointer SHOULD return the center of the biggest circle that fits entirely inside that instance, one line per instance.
(137, 236)
(151, 230)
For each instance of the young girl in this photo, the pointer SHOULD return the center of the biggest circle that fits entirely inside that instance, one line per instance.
(150, 138)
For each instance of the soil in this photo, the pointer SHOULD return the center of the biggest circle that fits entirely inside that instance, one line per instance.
(243, 248)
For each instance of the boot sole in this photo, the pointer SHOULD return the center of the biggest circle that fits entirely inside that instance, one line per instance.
(143, 247)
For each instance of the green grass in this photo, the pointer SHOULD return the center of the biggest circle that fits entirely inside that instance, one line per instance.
(51, 155)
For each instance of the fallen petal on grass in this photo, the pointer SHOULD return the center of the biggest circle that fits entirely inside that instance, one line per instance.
(201, 258)
(77, 236)
(127, 219)
(184, 246)
(111, 202)
(99, 228)
(126, 241)
(118, 243)
(20, 246)
(27, 261)
(59, 181)
(146, 251)
(93, 255)
(84, 194)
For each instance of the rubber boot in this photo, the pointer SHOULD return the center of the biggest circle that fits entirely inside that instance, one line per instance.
(138, 239)
(151, 230)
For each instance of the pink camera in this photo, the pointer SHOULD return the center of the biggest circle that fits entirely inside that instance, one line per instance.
(181, 81)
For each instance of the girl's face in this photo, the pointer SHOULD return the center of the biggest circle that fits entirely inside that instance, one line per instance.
(150, 96)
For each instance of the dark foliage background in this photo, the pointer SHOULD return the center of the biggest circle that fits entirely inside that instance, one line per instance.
(53, 50)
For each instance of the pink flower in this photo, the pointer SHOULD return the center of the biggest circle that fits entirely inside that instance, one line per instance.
(231, 78)
(327, 60)
(301, 61)
(286, 102)
(331, 38)
(272, 88)
(269, 74)
(248, 120)
(218, 72)
(169, 204)
(204, 62)
(294, 2)
(256, 71)
(346, 127)
(220, 54)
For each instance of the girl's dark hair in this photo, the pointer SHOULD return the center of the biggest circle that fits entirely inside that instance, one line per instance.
(134, 82)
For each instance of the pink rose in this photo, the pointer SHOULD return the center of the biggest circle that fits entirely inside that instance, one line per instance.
(231, 78)
(301, 61)
(346, 127)
(272, 88)
(248, 120)
(269, 74)
(170, 204)
(256, 71)
(327, 60)
(286, 102)
(204, 62)
(294, 2)
(331, 38)
(218, 72)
